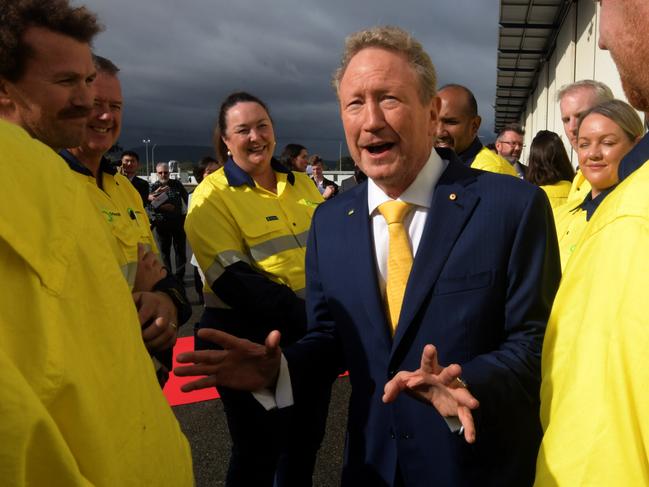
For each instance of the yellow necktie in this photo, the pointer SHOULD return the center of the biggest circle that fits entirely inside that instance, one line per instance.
(399, 258)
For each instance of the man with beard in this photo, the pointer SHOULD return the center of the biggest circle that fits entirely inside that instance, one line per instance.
(594, 393)
(80, 404)
(458, 127)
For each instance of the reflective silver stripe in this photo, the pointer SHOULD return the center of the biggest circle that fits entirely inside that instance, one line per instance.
(213, 301)
(301, 293)
(129, 270)
(223, 260)
(302, 238)
(275, 246)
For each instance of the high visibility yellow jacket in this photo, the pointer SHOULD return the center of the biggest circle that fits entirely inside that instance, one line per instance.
(594, 393)
(251, 245)
(557, 193)
(579, 189)
(570, 221)
(487, 160)
(121, 206)
(79, 400)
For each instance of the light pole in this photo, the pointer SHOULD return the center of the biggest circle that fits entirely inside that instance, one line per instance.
(153, 157)
(146, 149)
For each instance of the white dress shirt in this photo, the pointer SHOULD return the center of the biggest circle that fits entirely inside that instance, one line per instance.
(419, 194)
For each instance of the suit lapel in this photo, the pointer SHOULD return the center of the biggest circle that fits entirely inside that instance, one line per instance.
(359, 241)
(451, 207)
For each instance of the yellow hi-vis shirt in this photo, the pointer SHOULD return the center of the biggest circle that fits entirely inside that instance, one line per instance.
(79, 400)
(570, 221)
(595, 378)
(579, 189)
(487, 160)
(233, 223)
(120, 205)
(557, 193)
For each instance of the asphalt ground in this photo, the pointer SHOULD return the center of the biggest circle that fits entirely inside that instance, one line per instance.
(205, 426)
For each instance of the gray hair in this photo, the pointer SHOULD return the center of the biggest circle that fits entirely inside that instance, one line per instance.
(162, 164)
(393, 39)
(622, 114)
(602, 92)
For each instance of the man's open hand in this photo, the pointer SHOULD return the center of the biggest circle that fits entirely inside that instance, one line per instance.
(242, 364)
(439, 386)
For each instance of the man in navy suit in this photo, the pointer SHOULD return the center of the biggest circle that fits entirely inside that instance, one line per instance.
(477, 298)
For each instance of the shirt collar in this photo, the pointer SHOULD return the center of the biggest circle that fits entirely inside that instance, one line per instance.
(469, 154)
(238, 177)
(419, 193)
(590, 204)
(75, 164)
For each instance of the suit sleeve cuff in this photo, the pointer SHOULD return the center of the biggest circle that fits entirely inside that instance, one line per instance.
(282, 397)
(454, 424)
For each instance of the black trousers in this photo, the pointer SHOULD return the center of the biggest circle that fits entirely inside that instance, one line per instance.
(172, 233)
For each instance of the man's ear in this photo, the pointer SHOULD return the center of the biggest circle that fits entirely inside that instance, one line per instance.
(475, 124)
(435, 108)
(5, 98)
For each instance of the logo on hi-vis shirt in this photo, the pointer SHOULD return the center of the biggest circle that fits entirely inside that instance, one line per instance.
(110, 214)
(306, 202)
(271, 218)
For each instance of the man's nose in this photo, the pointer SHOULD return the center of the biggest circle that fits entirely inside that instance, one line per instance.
(374, 117)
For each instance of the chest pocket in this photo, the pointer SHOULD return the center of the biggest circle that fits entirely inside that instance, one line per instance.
(450, 285)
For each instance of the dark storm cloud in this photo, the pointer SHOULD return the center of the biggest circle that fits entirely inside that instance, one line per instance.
(180, 58)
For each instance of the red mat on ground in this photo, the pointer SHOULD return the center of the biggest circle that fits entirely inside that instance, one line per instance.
(172, 391)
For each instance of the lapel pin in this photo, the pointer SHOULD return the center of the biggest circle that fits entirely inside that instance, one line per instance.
(452, 196)
(350, 212)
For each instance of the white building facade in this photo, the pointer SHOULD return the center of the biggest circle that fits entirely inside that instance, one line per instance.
(544, 45)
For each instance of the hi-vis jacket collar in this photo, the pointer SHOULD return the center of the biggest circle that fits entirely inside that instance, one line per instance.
(238, 177)
(635, 158)
(75, 165)
(590, 204)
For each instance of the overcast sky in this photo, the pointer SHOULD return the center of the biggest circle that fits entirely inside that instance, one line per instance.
(179, 59)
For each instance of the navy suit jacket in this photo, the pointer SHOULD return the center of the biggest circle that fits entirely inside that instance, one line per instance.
(480, 290)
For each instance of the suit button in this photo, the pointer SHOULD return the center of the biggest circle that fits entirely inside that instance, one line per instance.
(393, 436)
(405, 436)
(391, 374)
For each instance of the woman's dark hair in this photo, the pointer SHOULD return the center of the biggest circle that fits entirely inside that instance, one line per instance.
(199, 169)
(221, 124)
(548, 162)
(290, 152)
